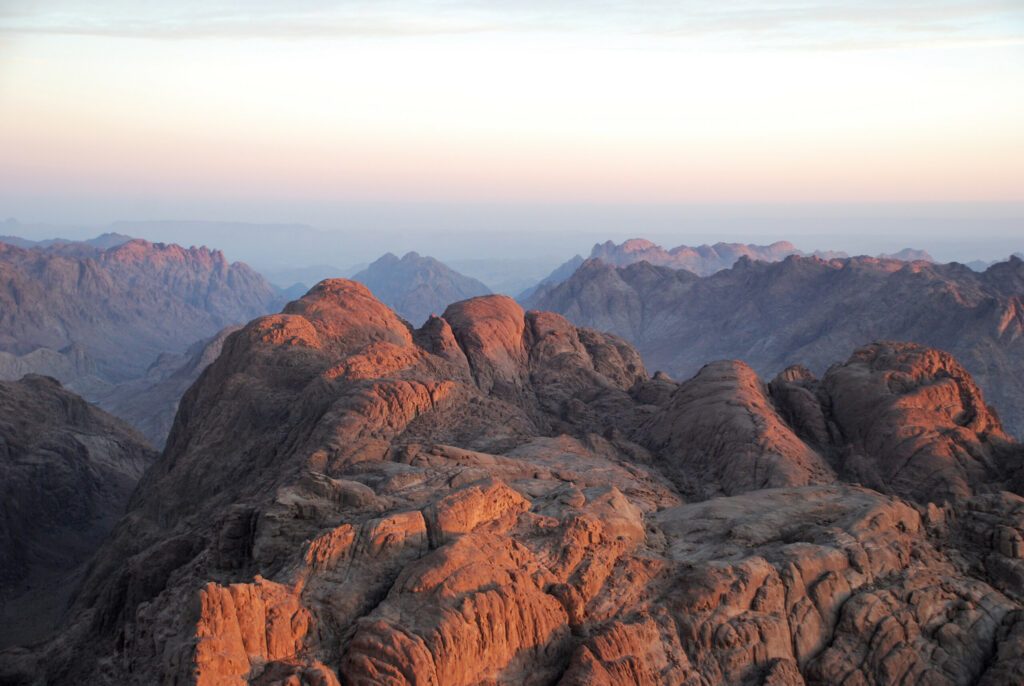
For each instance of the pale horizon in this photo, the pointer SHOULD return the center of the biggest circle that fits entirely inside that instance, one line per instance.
(110, 111)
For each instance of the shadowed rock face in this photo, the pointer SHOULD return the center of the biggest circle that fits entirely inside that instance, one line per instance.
(66, 470)
(809, 311)
(417, 287)
(149, 404)
(500, 497)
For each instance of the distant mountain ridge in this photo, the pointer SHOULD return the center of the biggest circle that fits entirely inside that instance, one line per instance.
(113, 318)
(416, 286)
(123, 305)
(808, 310)
(102, 242)
(703, 260)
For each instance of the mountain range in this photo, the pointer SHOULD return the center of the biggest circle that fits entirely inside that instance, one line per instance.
(124, 305)
(809, 311)
(702, 260)
(115, 319)
(503, 497)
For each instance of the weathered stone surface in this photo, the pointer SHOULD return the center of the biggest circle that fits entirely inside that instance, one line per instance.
(500, 497)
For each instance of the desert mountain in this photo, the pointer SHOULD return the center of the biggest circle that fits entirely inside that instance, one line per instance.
(125, 305)
(907, 255)
(103, 241)
(809, 311)
(66, 471)
(501, 497)
(417, 287)
(560, 274)
(702, 259)
(150, 403)
(114, 318)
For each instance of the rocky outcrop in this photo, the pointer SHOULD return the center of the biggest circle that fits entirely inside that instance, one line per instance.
(914, 423)
(66, 470)
(808, 311)
(721, 430)
(417, 287)
(898, 417)
(501, 497)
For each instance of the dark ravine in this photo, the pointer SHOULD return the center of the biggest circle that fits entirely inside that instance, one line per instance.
(809, 311)
(149, 404)
(502, 497)
(66, 471)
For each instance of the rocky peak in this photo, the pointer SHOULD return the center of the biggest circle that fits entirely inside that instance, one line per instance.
(416, 286)
(500, 497)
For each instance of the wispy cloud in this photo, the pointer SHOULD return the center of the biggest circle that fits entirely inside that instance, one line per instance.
(808, 24)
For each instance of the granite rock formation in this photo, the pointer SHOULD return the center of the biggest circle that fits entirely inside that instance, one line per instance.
(501, 497)
(417, 287)
(809, 311)
(66, 471)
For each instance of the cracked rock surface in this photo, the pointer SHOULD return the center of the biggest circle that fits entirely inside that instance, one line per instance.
(500, 497)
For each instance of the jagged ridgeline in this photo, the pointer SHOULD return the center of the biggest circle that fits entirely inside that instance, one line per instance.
(503, 497)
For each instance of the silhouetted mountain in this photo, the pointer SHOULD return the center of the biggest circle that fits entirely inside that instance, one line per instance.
(101, 242)
(416, 287)
(982, 265)
(702, 259)
(498, 497)
(807, 310)
(908, 255)
(560, 274)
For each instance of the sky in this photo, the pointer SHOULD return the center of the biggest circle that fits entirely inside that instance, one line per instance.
(300, 111)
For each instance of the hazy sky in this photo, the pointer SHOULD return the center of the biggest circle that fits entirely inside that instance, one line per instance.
(280, 111)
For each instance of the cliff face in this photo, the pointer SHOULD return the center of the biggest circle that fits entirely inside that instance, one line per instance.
(502, 497)
(811, 312)
(417, 287)
(124, 305)
(66, 471)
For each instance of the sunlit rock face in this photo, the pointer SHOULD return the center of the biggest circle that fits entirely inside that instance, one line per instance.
(500, 497)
